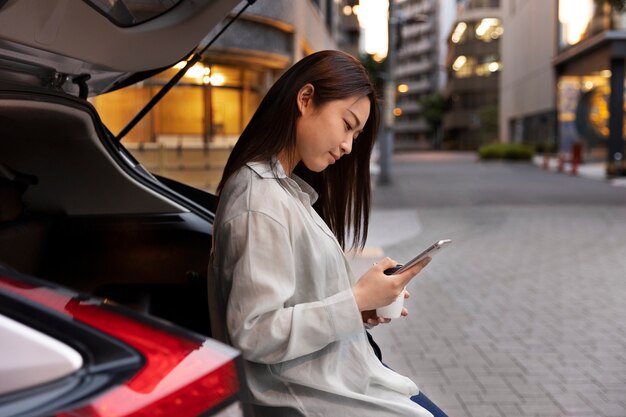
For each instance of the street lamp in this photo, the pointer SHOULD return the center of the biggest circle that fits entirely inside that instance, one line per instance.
(387, 134)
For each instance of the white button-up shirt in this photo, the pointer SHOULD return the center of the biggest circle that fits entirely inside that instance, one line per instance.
(282, 284)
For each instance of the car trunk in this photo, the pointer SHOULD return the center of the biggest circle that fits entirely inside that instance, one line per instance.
(75, 211)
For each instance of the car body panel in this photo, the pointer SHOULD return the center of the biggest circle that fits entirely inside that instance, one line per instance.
(36, 358)
(56, 40)
(178, 367)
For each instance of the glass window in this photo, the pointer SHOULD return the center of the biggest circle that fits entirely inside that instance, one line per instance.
(476, 4)
(118, 107)
(463, 66)
(488, 29)
(132, 12)
(181, 111)
(188, 135)
(581, 19)
(459, 33)
(223, 75)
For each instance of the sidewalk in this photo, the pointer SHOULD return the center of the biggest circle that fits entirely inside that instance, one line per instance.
(524, 314)
(591, 170)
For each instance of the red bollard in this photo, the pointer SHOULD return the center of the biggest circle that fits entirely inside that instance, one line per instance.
(561, 164)
(576, 157)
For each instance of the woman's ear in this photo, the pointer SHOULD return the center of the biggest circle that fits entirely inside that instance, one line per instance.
(305, 97)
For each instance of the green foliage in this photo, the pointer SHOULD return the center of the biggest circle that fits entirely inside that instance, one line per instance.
(506, 151)
(433, 108)
(489, 124)
(375, 70)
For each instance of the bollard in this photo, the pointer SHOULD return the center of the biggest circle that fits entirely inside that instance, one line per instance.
(576, 157)
(561, 160)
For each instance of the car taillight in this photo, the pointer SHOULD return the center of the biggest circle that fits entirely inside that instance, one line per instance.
(182, 377)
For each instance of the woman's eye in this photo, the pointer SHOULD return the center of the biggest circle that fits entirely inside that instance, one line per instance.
(348, 127)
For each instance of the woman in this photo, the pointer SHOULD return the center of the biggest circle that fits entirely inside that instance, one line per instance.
(279, 278)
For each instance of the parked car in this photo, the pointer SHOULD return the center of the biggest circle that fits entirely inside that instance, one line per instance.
(93, 248)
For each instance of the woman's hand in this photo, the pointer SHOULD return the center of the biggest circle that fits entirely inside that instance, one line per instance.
(372, 319)
(375, 289)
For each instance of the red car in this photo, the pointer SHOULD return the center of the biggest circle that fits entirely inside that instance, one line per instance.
(93, 247)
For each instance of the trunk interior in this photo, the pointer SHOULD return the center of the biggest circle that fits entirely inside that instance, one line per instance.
(71, 213)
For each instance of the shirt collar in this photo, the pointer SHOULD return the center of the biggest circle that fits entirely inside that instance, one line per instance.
(264, 170)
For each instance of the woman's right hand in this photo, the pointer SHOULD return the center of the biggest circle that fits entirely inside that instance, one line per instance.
(375, 289)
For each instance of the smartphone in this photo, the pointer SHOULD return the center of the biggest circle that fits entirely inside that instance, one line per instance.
(431, 251)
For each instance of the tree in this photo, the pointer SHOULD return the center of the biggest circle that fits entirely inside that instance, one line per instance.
(488, 116)
(376, 71)
(433, 108)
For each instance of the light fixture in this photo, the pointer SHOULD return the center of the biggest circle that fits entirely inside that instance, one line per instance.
(485, 24)
(347, 10)
(493, 66)
(459, 62)
(403, 88)
(217, 79)
(397, 111)
(459, 30)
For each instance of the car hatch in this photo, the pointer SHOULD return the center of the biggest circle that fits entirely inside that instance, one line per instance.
(59, 44)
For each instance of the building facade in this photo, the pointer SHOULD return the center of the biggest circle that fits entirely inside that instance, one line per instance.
(189, 134)
(589, 65)
(474, 66)
(420, 26)
(527, 99)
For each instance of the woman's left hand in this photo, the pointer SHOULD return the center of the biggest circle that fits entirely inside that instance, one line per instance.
(372, 319)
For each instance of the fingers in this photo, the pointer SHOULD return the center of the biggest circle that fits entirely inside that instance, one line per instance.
(385, 263)
(406, 294)
(405, 277)
(404, 312)
(379, 320)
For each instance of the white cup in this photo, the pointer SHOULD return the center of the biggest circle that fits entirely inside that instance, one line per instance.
(393, 310)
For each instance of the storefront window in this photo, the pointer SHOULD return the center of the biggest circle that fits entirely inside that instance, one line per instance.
(179, 112)
(188, 135)
(583, 110)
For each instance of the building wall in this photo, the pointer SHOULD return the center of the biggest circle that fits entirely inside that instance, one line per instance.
(474, 68)
(423, 27)
(527, 82)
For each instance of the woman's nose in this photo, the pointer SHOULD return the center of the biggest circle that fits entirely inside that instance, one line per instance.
(346, 146)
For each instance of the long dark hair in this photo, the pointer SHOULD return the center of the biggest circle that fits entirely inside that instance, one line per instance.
(344, 187)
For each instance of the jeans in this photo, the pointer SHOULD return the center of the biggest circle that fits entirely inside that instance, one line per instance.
(423, 400)
(420, 398)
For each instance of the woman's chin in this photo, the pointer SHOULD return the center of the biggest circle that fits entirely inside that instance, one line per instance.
(316, 166)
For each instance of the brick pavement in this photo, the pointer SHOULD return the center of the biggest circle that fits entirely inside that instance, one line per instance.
(524, 315)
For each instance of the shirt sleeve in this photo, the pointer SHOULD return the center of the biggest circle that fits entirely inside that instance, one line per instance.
(260, 267)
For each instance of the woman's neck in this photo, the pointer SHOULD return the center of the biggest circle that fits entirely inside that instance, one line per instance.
(288, 163)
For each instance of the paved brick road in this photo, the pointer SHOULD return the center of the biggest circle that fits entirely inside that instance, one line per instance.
(525, 314)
